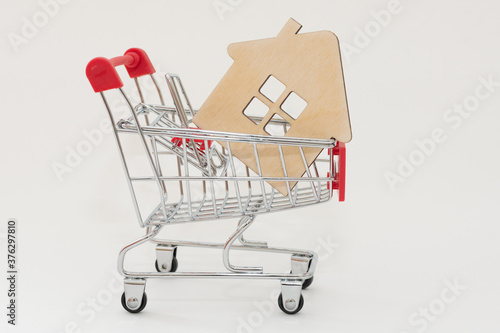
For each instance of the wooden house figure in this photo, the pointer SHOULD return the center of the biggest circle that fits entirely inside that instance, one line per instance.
(308, 96)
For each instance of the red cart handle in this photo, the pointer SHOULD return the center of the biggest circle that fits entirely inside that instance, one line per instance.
(103, 76)
(338, 182)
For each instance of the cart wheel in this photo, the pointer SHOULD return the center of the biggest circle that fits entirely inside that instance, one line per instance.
(175, 264)
(307, 282)
(140, 308)
(282, 307)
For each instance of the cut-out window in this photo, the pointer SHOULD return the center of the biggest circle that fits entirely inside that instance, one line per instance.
(277, 126)
(272, 88)
(256, 110)
(294, 105)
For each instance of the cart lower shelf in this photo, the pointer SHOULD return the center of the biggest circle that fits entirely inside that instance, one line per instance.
(232, 207)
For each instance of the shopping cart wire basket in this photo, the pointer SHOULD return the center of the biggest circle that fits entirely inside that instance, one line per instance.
(192, 176)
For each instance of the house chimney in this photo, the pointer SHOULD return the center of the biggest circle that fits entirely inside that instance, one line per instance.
(291, 28)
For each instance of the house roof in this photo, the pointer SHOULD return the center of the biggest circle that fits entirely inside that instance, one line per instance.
(291, 29)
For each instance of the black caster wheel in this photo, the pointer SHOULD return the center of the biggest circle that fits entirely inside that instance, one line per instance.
(282, 307)
(140, 308)
(175, 264)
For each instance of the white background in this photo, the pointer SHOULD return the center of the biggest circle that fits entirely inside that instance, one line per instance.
(394, 247)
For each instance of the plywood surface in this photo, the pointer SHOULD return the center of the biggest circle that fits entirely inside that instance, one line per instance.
(307, 64)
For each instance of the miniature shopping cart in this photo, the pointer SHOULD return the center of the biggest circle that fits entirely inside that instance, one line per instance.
(191, 175)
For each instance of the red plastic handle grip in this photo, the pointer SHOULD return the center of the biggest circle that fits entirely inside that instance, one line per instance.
(200, 143)
(339, 181)
(103, 76)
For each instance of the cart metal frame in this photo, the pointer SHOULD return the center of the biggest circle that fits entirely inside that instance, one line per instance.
(203, 159)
